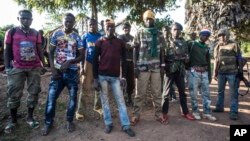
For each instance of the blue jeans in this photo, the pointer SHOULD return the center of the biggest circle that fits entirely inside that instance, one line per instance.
(233, 82)
(195, 80)
(70, 80)
(119, 98)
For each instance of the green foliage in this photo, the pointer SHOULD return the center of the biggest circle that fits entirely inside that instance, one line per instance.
(159, 23)
(3, 30)
(52, 5)
(53, 20)
(107, 7)
(245, 48)
(2, 33)
(158, 6)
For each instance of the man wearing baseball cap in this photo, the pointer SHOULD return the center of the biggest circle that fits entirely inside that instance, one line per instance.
(109, 57)
(200, 75)
(227, 62)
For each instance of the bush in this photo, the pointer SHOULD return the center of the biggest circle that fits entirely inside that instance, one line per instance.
(245, 48)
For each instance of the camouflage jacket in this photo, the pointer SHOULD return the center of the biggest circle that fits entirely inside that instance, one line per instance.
(129, 49)
(142, 44)
(225, 57)
(176, 54)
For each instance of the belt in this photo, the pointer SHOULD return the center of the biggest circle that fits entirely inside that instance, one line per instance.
(200, 69)
(129, 59)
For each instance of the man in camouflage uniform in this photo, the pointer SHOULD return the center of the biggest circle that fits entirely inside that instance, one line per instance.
(167, 34)
(148, 44)
(176, 56)
(227, 64)
(199, 75)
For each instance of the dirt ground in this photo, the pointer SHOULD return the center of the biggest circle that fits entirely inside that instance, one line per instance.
(91, 129)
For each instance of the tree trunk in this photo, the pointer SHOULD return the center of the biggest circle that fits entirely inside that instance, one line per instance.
(94, 9)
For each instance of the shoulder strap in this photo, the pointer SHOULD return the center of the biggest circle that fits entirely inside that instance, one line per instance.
(12, 32)
(36, 32)
(191, 47)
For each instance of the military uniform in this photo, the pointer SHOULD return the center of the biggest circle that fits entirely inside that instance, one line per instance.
(176, 54)
(226, 59)
(149, 69)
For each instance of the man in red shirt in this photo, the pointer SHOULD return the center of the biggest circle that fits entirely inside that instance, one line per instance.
(109, 54)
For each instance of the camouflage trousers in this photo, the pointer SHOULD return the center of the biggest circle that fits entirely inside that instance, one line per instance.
(16, 79)
(196, 80)
(145, 78)
(86, 88)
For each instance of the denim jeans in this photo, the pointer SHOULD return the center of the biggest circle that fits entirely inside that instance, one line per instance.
(233, 82)
(196, 80)
(114, 82)
(68, 79)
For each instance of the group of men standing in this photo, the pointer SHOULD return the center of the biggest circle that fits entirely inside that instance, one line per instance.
(148, 59)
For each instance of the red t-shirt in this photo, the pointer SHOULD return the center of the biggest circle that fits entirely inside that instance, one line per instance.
(24, 47)
(109, 54)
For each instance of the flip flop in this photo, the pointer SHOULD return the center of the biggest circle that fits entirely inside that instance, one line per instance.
(163, 119)
(80, 117)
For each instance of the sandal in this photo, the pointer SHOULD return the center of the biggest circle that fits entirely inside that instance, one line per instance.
(32, 123)
(10, 127)
(79, 117)
(70, 127)
(100, 113)
(163, 119)
(134, 121)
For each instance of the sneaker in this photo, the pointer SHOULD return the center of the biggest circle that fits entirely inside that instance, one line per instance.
(174, 100)
(32, 123)
(46, 129)
(189, 116)
(196, 115)
(130, 132)
(10, 127)
(79, 117)
(209, 117)
(218, 110)
(233, 116)
(129, 102)
(70, 127)
(108, 129)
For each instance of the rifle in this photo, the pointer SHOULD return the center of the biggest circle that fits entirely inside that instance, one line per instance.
(123, 83)
(242, 78)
